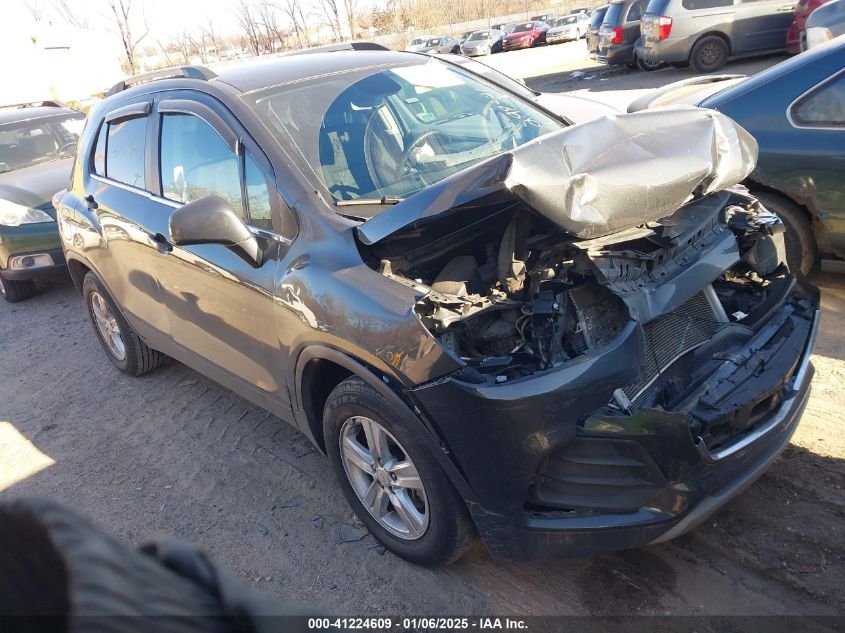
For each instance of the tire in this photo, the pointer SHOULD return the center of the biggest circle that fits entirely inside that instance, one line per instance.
(136, 358)
(14, 291)
(800, 240)
(648, 66)
(444, 530)
(709, 54)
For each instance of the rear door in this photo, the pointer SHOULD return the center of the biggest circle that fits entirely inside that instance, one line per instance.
(761, 25)
(221, 307)
(123, 248)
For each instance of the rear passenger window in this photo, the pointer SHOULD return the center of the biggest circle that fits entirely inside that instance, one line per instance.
(825, 106)
(692, 5)
(125, 151)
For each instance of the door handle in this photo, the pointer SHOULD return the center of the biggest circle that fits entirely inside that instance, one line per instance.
(160, 243)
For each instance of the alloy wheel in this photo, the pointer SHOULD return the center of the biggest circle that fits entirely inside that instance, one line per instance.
(384, 478)
(107, 326)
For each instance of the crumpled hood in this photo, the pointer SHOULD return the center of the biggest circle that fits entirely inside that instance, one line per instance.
(596, 178)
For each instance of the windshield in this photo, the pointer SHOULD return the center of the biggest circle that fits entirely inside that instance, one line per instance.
(434, 42)
(25, 143)
(377, 133)
(508, 28)
(479, 35)
(569, 19)
(416, 41)
(522, 28)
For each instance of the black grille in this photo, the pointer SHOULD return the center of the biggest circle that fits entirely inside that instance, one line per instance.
(667, 338)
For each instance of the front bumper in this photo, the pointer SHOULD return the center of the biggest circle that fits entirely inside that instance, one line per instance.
(666, 51)
(501, 440)
(515, 45)
(58, 265)
(566, 36)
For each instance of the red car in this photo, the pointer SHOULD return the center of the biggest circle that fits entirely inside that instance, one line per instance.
(795, 36)
(524, 35)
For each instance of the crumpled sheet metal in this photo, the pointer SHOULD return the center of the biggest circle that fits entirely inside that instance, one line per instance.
(596, 178)
(617, 172)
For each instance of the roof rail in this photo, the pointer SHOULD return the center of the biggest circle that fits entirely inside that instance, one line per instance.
(48, 103)
(187, 72)
(342, 46)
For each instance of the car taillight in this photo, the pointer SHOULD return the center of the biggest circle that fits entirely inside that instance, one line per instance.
(617, 35)
(664, 27)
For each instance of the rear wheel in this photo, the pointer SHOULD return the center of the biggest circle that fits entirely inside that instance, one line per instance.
(14, 291)
(709, 54)
(646, 65)
(391, 479)
(800, 240)
(121, 343)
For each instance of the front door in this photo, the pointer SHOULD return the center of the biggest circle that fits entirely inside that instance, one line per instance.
(221, 306)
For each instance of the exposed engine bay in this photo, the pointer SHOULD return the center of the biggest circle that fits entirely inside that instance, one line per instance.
(511, 294)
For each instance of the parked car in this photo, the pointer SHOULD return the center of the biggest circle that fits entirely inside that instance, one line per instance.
(476, 310)
(569, 108)
(706, 33)
(416, 43)
(463, 37)
(543, 17)
(796, 34)
(498, 27)
(569, 27)
(440, 44)
(796, 111)
(37, 146)
(618, 34)
(596, 18)
(482, 43)
(826, 23)
(525, 35)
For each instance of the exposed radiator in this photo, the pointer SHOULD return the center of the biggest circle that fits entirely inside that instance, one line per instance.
(667, 338)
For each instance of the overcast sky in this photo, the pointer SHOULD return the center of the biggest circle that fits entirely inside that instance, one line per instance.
(166, 18)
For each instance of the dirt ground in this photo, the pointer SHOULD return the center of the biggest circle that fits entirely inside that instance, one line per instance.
(173, 453)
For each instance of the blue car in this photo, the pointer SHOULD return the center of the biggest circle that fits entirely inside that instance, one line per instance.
(796, 111)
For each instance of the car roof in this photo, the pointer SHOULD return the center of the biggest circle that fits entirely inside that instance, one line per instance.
(273, 71)
(14, 114)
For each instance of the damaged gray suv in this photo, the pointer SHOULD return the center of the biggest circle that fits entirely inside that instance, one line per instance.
(564, 338)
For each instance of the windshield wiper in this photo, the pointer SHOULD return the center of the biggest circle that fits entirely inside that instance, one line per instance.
(384, 201)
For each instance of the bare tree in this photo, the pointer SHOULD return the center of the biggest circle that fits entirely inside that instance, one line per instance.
(208, 32)
(249, 25)
(125, 22)
(292, 9)
(70, 15)
(270, 24)
(352, 17)
(331, 12)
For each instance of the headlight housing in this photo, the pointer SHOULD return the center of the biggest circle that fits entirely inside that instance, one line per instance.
(14, 214)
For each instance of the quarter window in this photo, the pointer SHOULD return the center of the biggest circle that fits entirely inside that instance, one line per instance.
(125, 151)
(100, 152)
(825, 106)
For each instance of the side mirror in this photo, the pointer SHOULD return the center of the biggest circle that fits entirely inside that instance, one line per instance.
(210, 220)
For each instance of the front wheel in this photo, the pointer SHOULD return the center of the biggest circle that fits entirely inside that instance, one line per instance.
(14, 291)
(709, 54)
(122, 345)
(390, 477)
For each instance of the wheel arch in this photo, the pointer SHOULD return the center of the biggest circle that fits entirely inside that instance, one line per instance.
(714, 33)
(319, 369)
(757, 187)
(77, 271)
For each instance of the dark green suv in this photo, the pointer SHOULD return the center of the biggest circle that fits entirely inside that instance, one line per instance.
(37, 146)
